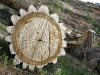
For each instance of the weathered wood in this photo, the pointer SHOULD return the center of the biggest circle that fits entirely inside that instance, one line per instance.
(86, 50)
(36, 37)
(72, 42)
(88, 44)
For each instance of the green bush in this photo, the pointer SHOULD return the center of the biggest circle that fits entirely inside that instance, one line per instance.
(67, 1)
(3, 27)
(97, 28)
(51, 9)
(58, 5)
(49, 2)
(91, 10)
(83, 7)
(7, 9)
(97, 25)
(87, 18)
(97, 43)
(68, 10)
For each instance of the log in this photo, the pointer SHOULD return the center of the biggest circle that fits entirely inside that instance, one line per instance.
(36, 37)
(17, 4)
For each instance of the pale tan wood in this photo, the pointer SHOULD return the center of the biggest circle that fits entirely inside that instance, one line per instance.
(63, 32)
(14, 19)
(22, 12)
(37, 39)
(24, 65)
(17, 60)
(55, 17)
(31, 67)
(72, 42)
(44, 9)
(54, 61)
(12, 49)
(9, 29)
(62, 52)
(32, 9)
(64, 43)
(8, 38)
(31, 46)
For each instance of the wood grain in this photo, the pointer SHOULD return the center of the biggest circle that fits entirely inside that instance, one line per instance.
(37, 38)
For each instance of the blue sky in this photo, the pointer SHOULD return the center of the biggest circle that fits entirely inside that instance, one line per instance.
(94, 1)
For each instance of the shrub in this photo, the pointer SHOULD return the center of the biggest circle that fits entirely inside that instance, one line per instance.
(7, 9)
(51, 9)
(3, 27)
(97, 28)
(83, 7)
(58, 5)
(68, 10)
(49, 2)
(97, 25)
(67, 1)
(91, 10)
(87, 18)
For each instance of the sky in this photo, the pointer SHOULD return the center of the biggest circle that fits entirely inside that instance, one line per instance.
(94, 1)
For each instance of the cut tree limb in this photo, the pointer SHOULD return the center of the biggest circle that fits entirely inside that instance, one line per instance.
(72, 42)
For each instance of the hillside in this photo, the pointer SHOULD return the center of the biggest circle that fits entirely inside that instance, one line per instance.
(75, 13)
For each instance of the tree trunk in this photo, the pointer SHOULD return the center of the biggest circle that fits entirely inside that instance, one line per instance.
(17, 4)
(88, 41)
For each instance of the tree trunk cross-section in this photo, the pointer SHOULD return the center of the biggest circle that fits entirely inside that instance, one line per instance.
(37, 39)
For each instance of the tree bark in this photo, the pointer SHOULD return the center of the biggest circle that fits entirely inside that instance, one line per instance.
(88, 41)
(17, 4)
